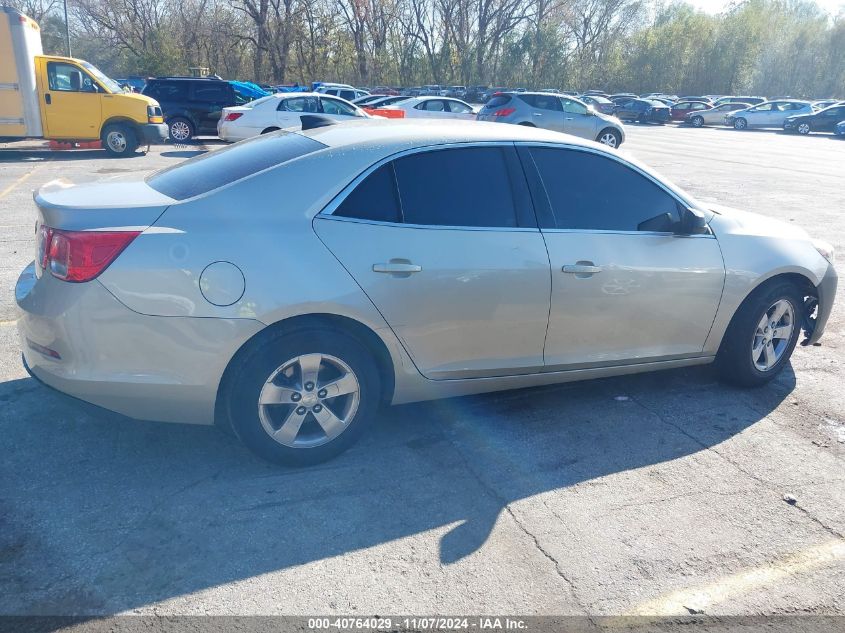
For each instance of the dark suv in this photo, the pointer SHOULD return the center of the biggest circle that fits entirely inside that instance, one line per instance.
(191, 105)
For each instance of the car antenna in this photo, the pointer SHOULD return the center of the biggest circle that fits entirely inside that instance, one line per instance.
(311, 121)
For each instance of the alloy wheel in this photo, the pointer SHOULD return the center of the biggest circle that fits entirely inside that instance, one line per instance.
(180, 131)
(772, 336)
(309, 400)
(804, 128)
(609, 139)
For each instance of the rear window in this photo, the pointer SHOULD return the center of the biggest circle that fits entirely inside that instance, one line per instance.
(215, 169)
(497, 101)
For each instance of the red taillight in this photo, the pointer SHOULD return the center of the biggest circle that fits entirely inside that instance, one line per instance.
(80, 255)
(233, 116)
(504, 112)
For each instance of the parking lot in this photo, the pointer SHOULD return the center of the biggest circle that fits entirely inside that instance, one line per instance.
(657, 494)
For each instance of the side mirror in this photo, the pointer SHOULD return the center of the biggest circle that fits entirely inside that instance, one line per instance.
(663, 223)
(692, 223)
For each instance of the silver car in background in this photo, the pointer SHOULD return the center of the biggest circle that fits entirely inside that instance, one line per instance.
(767, 114)
(554, 112)
(290, 284)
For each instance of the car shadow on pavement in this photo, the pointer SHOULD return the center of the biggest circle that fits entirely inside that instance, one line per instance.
(100, 514)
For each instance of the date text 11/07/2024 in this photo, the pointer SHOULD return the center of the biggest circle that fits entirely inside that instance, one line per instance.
(482, 623)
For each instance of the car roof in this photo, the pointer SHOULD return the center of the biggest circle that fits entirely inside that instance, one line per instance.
(399, 134)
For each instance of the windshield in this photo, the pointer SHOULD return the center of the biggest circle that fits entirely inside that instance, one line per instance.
(109, 84)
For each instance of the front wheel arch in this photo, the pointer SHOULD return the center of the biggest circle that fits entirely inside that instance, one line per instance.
(345, 325)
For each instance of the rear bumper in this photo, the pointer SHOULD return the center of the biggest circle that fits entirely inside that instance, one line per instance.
(153, 133)
(80, 340)
(827, 296)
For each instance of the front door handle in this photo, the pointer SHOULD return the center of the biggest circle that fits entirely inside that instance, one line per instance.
(397, 268)
(47, 98)
(582, 268)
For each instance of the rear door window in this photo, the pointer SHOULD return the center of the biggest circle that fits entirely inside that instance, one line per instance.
(299, 104)
(456, 187)
(211, 92)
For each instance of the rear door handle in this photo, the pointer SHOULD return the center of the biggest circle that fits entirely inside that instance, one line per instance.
(537, 113)
(582, 269)
(396, 267)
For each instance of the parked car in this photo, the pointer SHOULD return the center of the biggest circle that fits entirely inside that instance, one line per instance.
(667, 101)
(282, 110)
(839, 130)
(191, 105)
(490, 93)
(344, 91)
(623, 95)
(679, 111)
(642, 110)
(367, 99)
(768, 114)
(739, 99)
(475, 94)
(602, 104)
(714, 115)
(434, 108)
(554, 112)
(456, 92)
(294, 317)
(385, 101)
(818, 105)
(820, 121)
(695, 98)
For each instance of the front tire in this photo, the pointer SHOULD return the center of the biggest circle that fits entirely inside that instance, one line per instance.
(762, 335)
(804, 129)
(119, 140)
(697, 121)
(302, 397)
(740, 124)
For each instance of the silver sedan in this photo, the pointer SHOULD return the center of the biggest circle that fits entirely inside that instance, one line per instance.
(290, 284)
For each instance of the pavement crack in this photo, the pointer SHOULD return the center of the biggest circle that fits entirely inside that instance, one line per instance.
(503, 501)
(768, 485)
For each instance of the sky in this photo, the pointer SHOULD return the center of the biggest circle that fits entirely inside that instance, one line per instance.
(715, 6)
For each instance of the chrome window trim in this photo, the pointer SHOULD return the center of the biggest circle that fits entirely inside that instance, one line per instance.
(328, 211)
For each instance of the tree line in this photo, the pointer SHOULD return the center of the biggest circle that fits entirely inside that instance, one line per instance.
(761, 47)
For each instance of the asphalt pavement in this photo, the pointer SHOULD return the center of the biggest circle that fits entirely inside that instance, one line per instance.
(660, 494)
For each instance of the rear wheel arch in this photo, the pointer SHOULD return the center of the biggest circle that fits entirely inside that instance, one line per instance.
(342, 325)
(272, 128)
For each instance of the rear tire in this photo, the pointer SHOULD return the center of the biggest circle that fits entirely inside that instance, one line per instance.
(119, 140)
(180, 129)
(609, 137)
(280, 364)
(743, 357)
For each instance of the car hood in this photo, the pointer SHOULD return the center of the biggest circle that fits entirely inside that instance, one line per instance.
(745, 222)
